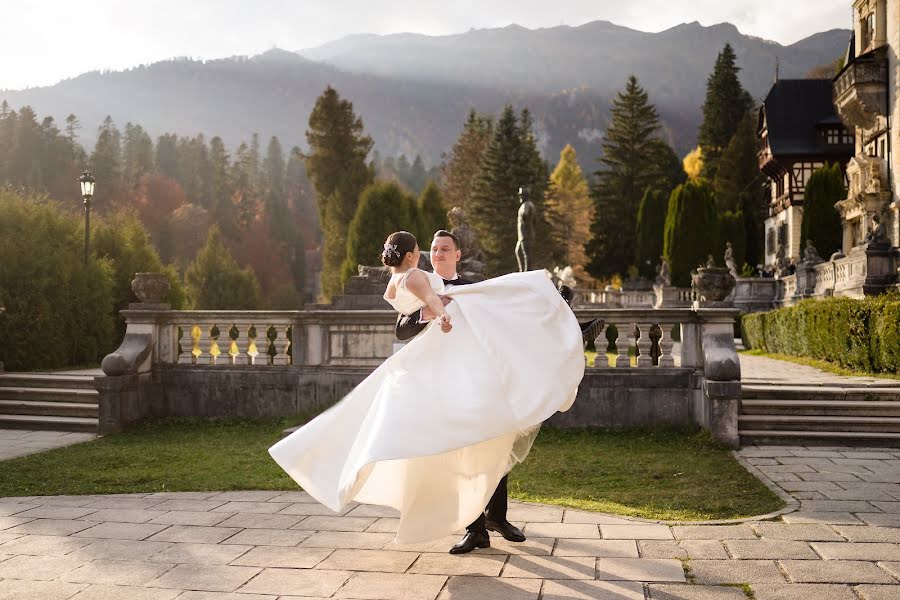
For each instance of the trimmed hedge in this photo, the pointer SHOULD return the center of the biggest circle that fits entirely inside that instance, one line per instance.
(863, 335)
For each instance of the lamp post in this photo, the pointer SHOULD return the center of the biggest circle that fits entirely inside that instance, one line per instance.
(87, 191)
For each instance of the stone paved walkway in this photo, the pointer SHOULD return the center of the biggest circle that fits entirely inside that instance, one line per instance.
(760, 369)
(841, 544)
(19, 442)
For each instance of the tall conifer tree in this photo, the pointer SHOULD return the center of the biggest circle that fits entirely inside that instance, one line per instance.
(337, 167)
(634, 158)
(570, 212)
(725, 105)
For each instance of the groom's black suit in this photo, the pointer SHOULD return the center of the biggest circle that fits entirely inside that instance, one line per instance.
(407, 328)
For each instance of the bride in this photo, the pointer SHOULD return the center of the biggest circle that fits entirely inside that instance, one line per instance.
(432, 430)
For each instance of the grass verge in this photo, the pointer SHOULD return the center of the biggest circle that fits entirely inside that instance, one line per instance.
(657, 474)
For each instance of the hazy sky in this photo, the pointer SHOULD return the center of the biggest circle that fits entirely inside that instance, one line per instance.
(43, 41)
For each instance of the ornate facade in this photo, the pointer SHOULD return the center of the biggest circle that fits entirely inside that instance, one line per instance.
(799, 131)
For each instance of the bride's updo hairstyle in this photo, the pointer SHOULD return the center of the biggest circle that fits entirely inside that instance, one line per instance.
(396, 246)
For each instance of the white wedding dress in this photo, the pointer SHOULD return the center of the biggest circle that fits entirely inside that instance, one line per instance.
(433, 429)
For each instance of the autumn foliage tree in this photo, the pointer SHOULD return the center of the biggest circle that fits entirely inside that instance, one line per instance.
(570, 212)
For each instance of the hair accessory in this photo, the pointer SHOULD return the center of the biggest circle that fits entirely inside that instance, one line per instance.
(391, 249)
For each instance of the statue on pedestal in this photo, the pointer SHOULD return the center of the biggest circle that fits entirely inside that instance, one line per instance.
(729, 260)
(810, 254)
(663, 274)
(525, 228)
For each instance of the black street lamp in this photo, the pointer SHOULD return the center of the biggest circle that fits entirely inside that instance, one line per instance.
(87, 190)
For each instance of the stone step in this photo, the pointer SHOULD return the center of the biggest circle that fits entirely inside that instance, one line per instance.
(54, 409)
(812, 438)
(36, 422)
(859, 408)
(33, 380)
(886, 393)
(819, 423)
(48, 394)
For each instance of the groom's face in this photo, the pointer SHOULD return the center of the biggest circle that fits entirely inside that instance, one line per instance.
(444, 256)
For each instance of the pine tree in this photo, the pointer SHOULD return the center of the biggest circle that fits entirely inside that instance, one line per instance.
(137, 154)
(431, 213)
(214, 280)
(821, 221)
(418, 176)
(690, 233)
(740, 191)
(460, 167)
(510, 161)
(383, 209)
(725, 105)
(221, 188)
(634, 158)
(651, 221)
(106, 164)
(245, 196)
(167, 156)
(336, 164)
(570, 212)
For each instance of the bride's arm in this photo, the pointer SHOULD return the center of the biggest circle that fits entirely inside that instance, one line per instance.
(418, 284)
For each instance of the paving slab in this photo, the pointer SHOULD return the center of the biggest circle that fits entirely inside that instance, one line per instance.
(640, 569)
(694, 592)
(770, 549)
(268, 537)
(550, 567)
(121, 531)
(490, 588)
(870, 534)
(392, 586)
(194, 534)
(878, 592)
(210, 578)
(119, 550)
(277, 556)
(704, 549)
(827, 518)
(714, 532)
(200, 554)
(797, 531)
(117, 572)
(43, 545)
(661, 549)
(12, 589)
(574, 589)
(261, 521)
(598, 548)
(802, 591)
(835, 571)
(121, 592)
(857, 551)
(636, 532)
(562, 530)
(487, 565)
(39, 568)
(385, 561)
(718, 572)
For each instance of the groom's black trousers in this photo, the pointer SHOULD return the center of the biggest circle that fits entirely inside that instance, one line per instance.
(495, 509)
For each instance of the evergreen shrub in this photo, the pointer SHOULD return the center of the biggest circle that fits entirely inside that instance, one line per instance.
(862, 335)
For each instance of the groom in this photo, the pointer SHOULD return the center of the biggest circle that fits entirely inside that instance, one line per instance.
(445, 254)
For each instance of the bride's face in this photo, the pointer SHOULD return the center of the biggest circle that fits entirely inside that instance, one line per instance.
(413, 257)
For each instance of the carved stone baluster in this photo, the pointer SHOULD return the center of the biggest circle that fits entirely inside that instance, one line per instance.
(601, 361)
(262, 345)
(665, 345)
(204, 343)
(243, 343)
(223, 343)
(186, 356)
(281, 345)
(622, 345)
(643, 345)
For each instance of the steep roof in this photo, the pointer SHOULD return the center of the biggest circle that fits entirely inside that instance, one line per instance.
(795, 110)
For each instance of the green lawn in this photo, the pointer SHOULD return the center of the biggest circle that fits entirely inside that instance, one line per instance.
(656, 474)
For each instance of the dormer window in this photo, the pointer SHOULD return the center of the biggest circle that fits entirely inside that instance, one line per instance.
(838, 136)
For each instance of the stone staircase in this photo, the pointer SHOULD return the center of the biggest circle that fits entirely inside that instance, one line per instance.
(41, 401)
(864, 415)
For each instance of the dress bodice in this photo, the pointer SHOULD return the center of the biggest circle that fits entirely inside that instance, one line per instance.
(404, 301)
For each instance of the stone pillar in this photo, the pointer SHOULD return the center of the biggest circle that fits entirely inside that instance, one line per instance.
(721, 375)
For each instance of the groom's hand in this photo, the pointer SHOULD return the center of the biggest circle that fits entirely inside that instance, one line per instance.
(428, 314)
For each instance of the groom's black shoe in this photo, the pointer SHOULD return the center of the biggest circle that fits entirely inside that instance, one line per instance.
(509, 531)
(472, 540)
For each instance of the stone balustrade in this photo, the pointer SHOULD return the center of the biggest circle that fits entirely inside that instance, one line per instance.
(269, 363)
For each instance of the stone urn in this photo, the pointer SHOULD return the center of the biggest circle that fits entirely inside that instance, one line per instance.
(713, 283)
(150, 288)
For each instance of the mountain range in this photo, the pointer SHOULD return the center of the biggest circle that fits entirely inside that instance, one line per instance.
(414, 91)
